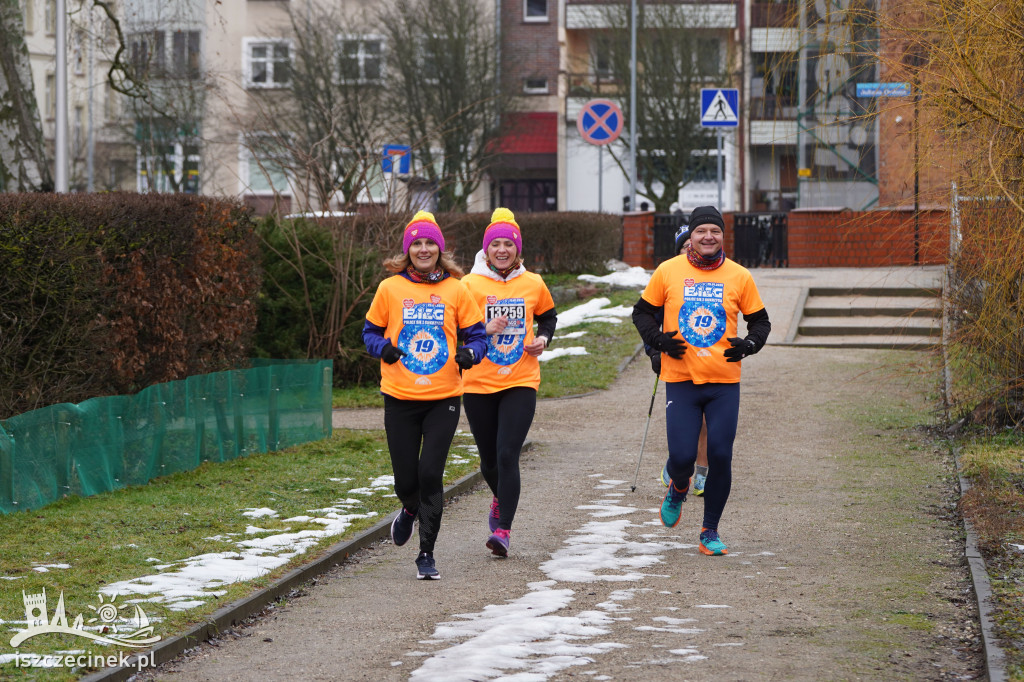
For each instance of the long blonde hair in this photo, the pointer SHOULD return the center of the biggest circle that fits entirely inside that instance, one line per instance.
(445, 260)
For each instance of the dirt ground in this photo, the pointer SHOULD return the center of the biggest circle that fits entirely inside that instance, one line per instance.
(846, 561)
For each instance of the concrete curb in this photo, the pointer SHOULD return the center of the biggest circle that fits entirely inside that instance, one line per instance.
(995, 659)
(232, 614)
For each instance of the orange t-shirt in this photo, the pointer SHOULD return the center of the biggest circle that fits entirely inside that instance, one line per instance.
(702, 305)
(507, 364)
(423, 320)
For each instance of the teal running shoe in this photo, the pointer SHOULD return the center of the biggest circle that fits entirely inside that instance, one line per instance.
(672, 506)
(711, 544)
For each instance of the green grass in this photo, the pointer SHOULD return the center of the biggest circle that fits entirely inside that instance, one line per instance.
(607, 344)
(113, 536)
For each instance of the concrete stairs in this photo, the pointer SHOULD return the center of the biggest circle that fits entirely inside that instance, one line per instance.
(903, 318)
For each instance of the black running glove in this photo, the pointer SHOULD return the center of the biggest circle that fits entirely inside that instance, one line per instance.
(655, 361)
(390, 354)
(741, 348)
(671, 346)
(464, 358)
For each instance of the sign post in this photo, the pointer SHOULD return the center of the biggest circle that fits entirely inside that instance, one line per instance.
(718, 109)
(600, 123)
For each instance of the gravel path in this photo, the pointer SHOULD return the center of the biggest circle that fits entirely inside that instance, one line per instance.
(845, 562)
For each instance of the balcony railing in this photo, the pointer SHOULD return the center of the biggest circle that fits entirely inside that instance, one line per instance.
(773, 108)
(592, 84)
(774, 15)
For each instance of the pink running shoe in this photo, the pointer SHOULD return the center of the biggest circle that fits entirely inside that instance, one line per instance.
(498, 542)
(493, 515)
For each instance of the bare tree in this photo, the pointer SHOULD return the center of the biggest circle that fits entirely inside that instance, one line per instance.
(325, 130)
(23, 162)
(443, 90)
(677, 55)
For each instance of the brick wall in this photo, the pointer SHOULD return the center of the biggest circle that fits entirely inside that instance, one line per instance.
(825, 238)
(866, 239)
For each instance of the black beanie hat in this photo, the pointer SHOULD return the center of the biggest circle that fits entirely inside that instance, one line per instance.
(702, 215)
(682, 234)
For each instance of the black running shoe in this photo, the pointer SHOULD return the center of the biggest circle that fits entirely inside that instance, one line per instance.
(401, 527)
(425, 568)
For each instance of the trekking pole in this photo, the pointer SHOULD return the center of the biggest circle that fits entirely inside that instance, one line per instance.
(650, 411)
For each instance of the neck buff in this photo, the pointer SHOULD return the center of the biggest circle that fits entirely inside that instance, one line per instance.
(427, 277)
(705, 262)
(507, 271)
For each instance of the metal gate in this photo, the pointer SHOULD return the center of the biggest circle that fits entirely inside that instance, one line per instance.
(760, 240)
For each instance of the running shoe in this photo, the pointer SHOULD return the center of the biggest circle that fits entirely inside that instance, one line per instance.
(698, 484)
(711, 544)
(401, 527)
(425, 568)
(665, 480)
(498, 542)
(493, 515)
(672, 505)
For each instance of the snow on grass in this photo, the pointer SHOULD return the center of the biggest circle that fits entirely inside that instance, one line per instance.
(559, 352)
(187, 583)
(635, 277)
(259, 513)
(593, 310)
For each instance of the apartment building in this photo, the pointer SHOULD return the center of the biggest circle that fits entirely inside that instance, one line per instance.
(804, 137)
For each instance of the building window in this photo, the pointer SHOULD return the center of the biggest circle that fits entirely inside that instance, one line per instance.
(267, 63)
(148, 54)
(168, 168)
(78, 52)
(185, 54)
(29, 14)
(51, 95)
(430, 70)
(77, 128)
(264, 167)
(535, 86)
(111, 104)
(50, 17)
(535, 10)
(709, 57)
(601, 56)
(360, 59)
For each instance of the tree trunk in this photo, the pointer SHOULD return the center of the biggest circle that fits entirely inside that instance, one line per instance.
(23, 163)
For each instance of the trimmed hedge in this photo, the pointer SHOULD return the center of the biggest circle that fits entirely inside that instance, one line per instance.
(106, 294)
(572, 242)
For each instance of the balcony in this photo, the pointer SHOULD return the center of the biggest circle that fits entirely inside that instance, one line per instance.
(591, 84)
(774, 15)
(773, 108)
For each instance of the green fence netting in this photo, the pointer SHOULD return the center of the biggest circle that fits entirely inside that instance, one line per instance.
(112, 442)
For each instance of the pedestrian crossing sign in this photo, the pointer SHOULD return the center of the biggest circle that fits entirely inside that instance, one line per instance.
(719, 107)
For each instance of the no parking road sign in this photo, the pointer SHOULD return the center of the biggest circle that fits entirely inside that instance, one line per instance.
(600, 121)
(719, 107)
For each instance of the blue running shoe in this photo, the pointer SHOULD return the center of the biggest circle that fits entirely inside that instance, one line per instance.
(672, 505)
(711, 544)
(493, 515)
(401, 527)
(498, 542)
(425, 568)
(665, 480)
(698, 484)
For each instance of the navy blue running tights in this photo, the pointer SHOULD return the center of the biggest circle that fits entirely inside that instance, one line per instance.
(500, 422)
(719, 405)
(419, 434)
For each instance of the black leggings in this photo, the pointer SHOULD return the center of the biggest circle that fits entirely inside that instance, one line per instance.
(420, 434)
(500, 422)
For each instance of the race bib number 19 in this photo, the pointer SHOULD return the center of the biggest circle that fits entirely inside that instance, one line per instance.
(422, 338)
(702, 316)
